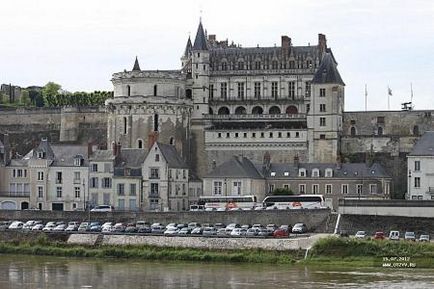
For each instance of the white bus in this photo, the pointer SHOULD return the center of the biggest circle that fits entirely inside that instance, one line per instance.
(227, 202)
(294, 202)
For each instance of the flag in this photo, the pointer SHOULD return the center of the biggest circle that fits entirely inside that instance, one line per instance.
(389, 91)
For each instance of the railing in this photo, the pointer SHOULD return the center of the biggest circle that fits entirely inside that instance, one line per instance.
(282, 116)
(15, 194)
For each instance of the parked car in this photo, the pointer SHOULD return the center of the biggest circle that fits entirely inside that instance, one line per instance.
(379, 235)
(360, 235)
(252, 232)
(184, 231)
(106, 224)
(157, 229)
(16, 225)
(230, 227)
(84, 226)
(193, 225)
(197, 231)
(60, 228)
(171, 231)
(103, 208)
(142, 223)
(394, 235)
(424, 238)
(144, 229)
(49, 226)
(4, 225)
(71, 227)
(263, 233)
(119, 228)
(95, 227)
(219, 225)
(38, 227)
(180, 226)
(271, 228)
(28, 225)
(107, 228)
(131, 228)
(299, 228)
(257, 226)
(410, 236)
(171, 225)
(209, 231)
(238, 232)
(246, 226)
(156, 225)
(280, 233)
(222, 232)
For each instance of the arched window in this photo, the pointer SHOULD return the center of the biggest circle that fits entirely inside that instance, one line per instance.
(274, 110)
(257, 110)
(125, 125)
(416, 130)
(156, 122)
(291, 109)
(210, 111)
(240, 110)
(128, 90)
(140, 144)
(380, 131)
(353, 131)
(188, 93)
(24, 205)
(223, 110)
(155, 90)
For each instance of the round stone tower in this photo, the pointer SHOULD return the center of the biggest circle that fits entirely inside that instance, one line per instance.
(148, 106)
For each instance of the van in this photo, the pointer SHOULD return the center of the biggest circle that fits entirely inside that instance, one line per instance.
(394, 235)
(102, 208)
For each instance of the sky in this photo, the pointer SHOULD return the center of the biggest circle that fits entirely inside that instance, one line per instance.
(80, 44)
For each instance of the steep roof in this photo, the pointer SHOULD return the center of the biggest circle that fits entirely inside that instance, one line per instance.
(65, 155)
(45, 147)
(136, 66)
(327, 71)
(188, 48)
(102, 155)
(171, 156)
(131, 158)
(424, 146)
(200, 42)
(238, 167)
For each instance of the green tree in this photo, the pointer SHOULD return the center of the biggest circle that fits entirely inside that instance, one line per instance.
(282, 191)
(25, 98)
(49, 93)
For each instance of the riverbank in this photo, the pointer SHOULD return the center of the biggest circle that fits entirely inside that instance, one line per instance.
(330, 251)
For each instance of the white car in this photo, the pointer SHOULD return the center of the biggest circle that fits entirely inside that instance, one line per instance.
(37, 227)
(16, 225)
(394, 235)
(172, 225)
(103, 208)
(29, 225)
(107, 229)
(171, 231)
(49, 226)
(360, 235)
(238, 232)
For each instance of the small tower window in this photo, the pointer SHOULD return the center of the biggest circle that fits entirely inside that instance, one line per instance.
(353, 131)
(128, 90)
(140, 144)
(125, 125)
(155, 90)
(172, 141)
(380, 131)
(156, 122)
(416, 130)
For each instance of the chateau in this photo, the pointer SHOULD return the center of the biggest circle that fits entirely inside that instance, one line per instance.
(228, 100)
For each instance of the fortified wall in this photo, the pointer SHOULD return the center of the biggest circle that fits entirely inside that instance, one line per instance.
(27, 126)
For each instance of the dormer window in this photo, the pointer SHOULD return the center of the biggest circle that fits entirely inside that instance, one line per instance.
(301, 172)
(41, 155)
(78, 161)
(273, 174)
(286, 174)
(329, 173)
(315, 173)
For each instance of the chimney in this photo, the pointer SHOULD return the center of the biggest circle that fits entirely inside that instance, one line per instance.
(322, 42)
(118, 149)
(338, 162)
(286, 42)
(267, 161)
(115, 147)
(89, 149)
(152, 138)
(296, 161)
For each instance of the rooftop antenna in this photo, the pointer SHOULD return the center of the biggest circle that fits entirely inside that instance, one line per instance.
(411, 96)
(389, 94)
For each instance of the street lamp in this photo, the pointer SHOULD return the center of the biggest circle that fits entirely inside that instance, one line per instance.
(84, 196)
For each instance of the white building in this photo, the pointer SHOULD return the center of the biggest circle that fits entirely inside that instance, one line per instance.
(420, 165)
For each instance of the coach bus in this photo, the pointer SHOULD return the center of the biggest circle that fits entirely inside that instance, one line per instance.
(294, 202)
(227, 202)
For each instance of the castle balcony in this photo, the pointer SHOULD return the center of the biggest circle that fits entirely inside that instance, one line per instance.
(255, 117)
(259, 101)
(9, 194)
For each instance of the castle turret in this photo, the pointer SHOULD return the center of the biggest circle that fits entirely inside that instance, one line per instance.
(186, 58)
(324, 119)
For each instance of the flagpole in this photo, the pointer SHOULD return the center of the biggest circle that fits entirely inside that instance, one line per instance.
(366, 97)
(388, 97)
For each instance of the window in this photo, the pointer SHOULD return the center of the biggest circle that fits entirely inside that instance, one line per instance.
(257, 90)
(217, 188)
(380, 131)
(288, 134)
(417, 182)
(121, 189)
(94, 167)
(156, 122)
(353, 131)
(219, 135)
(240, 65)
(291, 89)
(253, 134)
(78, 161)
(262, 134)
(315, 173)
(106, 183)
(184, 174)
(58, 177)
(279, 134)
(125, 125)
(297, 134)
(322, 107)
(245, 134)
(155, 173)
(315, 189)
(344, 189)
(224, 90)
(417, 165)
(94, 182)
(328, 189)
(40, 191)
(302, 172)
(139, 144)
(224, 66)
(240, 89)
(359, 189)
(275, 64)
(322, 136)
(373, 188)
(133, 189)
(329, 173)
(76, 177)
(271, 188)
(128, 90)
(20, 173)
(257, 65)
(322, 92)
(121, 204)
(286, 186)
(211, 91)
(40, 176)
(322, 121)
(301, 188)
(228, 134)
(380, 119)
(155, 90)
(308, 88)
(157, 157)
(271, 135)
(154, 190)
(77, 192)
(274, 89)
(59, 192)
(236, 189)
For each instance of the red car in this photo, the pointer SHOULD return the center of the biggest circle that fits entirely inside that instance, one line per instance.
(280, 233)
(379, 235)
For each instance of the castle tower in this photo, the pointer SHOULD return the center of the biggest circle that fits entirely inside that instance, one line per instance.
(324, 120)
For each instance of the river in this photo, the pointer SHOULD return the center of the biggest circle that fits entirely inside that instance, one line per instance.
(17, 271)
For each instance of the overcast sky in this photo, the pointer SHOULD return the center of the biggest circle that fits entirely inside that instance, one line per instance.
(80, 43)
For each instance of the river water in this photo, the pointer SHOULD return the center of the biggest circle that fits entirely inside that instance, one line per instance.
(58, 272)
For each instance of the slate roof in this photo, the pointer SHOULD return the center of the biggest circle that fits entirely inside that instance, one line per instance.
(136, 66)
(200, 42)
(424, 146)
(44, 146)
(346, 170)
(327, 71)
(188, 48)
(171, 156)
(131, 158)
(65, 155)
(102, 155)
(238, 167)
